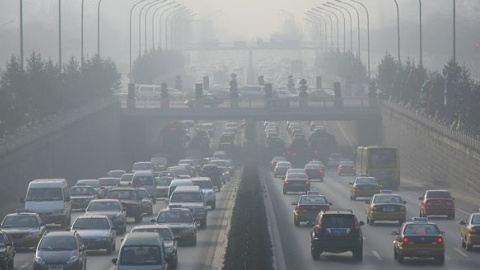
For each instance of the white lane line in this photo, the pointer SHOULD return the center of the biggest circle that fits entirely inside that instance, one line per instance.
(376, 255)
(25, 265)
(460, 252)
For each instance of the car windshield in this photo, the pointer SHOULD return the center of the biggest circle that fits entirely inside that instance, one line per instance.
(108, 182)
(366, 180)
(211, 170)
(142, 181)
(163, 180)
(312, 167)
(126, 178)
(143, 193)
(220, 163)
(20, 222)
(123, 194)
(297, 176)
(421, 229)
(163, 232)
(2, 241)
(85, 190)
(44, 194)
(52, 243)
(313, 200)
(140, 255)
(175, 217)
(346, 163)
(475, 219)
(91, 224)
(439, 195)
(387, 199)
(103, 206)
(116, 174)
(338, 221)
(144, 166)
(284, 164)
(92, 183)
(204, 184)
(186, 197)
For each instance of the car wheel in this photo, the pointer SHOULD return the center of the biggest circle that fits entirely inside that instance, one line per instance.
(175, 263)
(315, 251)
(11, 264)
(372, 221)
(400, 257)
(203, 224)
(296, 222)
(111, 249)
(441, 259)
(463, 243)
(5, 265)
(468, 246)
(138, 219)
(284, 192)
(213, 206)
(451, 216)
(395, 255)
(358, 253)
(194, 242)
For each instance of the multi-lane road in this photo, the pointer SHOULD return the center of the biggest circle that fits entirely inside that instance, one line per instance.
(292, 244)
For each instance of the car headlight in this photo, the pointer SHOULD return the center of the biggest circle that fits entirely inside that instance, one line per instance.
(39, 260)
(72, 259)
(58, 211)
(188, 230)
(168, 249)
(33, 234)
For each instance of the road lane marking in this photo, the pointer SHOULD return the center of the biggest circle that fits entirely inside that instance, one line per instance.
(25, 265)
(376, 255)
(460, 252)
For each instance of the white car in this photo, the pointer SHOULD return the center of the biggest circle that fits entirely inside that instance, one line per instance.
(207, 188)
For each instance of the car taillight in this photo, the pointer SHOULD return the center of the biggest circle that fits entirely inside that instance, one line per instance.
(318, 228)
(405, 240)
(307, 182)
(439, 240)
(449, 203)
(320, 171)
(357, 225)
(285, 182)
(429, 203)
(299, 208)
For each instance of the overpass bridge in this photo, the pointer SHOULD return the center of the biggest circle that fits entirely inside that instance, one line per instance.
(253, 46)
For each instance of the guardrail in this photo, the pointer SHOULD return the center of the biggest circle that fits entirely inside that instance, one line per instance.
(459, 136)
(49, 125)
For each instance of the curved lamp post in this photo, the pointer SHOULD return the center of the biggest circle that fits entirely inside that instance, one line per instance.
(368, 33)
(321, 12)
(153, 21)
(358, 24)
(333, 5)
(344, 24)
(329, 12)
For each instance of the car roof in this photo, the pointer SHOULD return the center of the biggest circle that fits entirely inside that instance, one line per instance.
(141, 239)
(91, 217)
(195, 179)
(123, 188)
(151, 226)
(60, 233)
(187, 189)
(105, 200)
(143, 173)
(23, 214)
(338, 211)
(180, 182)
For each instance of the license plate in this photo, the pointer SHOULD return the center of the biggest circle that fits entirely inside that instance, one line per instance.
(312, 217)
(336, 231)
(389, 208)
(55, 267)
(422, 252)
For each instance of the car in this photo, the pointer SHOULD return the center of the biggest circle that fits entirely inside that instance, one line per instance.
(109, 182)
(141, 250)
(116, 173)
(178, 170)
(80, 196)
(130, 199)
(126, 179)
(145, 179)
(346, 167)
(314, 171)
(190, 197)
(334, 160)
(295, 170)
(25, 229)
(224, 164)
(437, 202)
(7, 251)
(208, 191)
(296, 182)
(206, 100)
(146, 203)
(163, 183)
(337, 231)
(190, 165)
(386, 207)
(113, 209)
(176, 183)
(274, 161)
(97, 232)
(60, 250)
(363, 187)
(181, 222)
(159, 163)
(95, 183)
(281, 168)
(285, 94)
(168, 238)
(214, 173)
(142, 166)
(471, 231)
(307, 208)
(419, 238)
(220, 154)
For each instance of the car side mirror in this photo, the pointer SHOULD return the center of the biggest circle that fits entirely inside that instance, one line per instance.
(420, 198)
(367, 202)
(67, 199)
(463, 222)
(22, 200)
(215, 188)
(152, 220)
(177, 238)
(404, 202)
(114, 261)
(330, 203)
(82, 248)
(395, 233)
(294, 203)
(361, 223)
(351, 183)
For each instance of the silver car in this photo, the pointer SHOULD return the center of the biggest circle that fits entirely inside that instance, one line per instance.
(113, 209)
(97, 232)
(206, 186)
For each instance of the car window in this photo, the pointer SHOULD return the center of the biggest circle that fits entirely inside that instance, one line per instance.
(126, 178)
(163, 232)
(143, 193)
(103, 206)
(92, 183)
(299, 176)
(203, 184)
(366, 181)
(313, 200)
(140, 255)
(338, 221)
(475, 219)
(142, 180)
(85, 190)
(175, 217)
(122, 194)
(44, 194)
(108, 181)
(53, 243)
(91, 224)
(438, 195)
(421, 229)
(20, 221)
(186, 197)
(387, 199)
(142, 166)
(2, 240)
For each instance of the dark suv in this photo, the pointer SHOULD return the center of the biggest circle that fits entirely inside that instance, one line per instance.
(337, 231)
(130, 199)
(7, 251)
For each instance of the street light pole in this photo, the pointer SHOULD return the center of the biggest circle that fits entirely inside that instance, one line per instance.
(145, 23)
(421, 31)
(344, 25)
(174, 21)
(351, 24)
(81, 33)
(368, 33)
(328, 13)
(140, 26)
(454, 31)
(398, 30)
(160, 24)
(319, 17)
(166, 23)
(21, 35)
(60, 35)
(130, 30)
(98, 27)
(358, 25)
(321, 13)
(153, 21)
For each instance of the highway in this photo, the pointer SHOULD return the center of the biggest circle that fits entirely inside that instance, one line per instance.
(292, 244)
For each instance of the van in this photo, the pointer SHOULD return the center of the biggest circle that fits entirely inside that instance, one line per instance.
(192, 198)
(146, 180)
(176, 183)
(50, 198)
(141, 250)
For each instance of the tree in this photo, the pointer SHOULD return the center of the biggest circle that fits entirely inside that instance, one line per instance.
(387, 72)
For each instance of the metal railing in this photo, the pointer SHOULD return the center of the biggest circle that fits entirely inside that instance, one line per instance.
(49, 125)
(445, 130)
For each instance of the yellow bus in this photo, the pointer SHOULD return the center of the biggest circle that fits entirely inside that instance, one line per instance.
(382, 162)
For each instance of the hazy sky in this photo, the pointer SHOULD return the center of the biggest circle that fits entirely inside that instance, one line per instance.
(236, 19)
